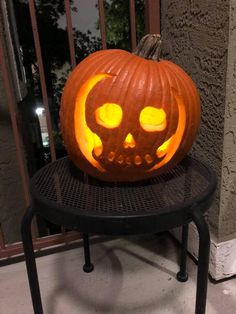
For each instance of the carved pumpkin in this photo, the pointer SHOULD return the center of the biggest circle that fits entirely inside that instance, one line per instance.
(126, 118)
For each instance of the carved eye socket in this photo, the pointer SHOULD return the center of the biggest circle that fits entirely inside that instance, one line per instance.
(152, 119)
(109, 115)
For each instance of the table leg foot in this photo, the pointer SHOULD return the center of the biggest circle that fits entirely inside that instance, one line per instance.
(88, 268)
(182, 277)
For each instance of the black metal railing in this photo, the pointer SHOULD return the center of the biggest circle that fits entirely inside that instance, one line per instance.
(152, 25)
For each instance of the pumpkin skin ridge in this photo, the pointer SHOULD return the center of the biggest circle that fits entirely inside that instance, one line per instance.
(88, 68)
(156, 71)
(164, 74)
(150, 87)
(148, 69)
(71, 121)
(100, 68)
(132, 71)
(127, 61)
(179, 89)
(71, 81)
(145, 103)
(127, 86)
(139, 65)
(123, 96)
(166, 80)
(109, 92)
(196, 108)
(147, 83)
(132, 82)
(182, 82)
(194, 104)
(171, 81)
(158, 68)
(172, 84)
(163, 98)
(173, 111)
(175, 85)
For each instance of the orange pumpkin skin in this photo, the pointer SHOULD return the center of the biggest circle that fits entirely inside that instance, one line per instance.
(126, 149)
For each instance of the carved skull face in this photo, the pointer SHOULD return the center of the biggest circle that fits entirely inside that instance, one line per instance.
(127, 140)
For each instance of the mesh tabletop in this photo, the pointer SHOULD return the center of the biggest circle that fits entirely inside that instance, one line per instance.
(58, 189)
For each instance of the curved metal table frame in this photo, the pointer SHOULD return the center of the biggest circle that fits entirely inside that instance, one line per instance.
(66, 196)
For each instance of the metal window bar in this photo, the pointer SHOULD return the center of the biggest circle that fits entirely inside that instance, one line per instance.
(13, 114)
(102, 24)
(16, 133)
(152, 16)
(70, 33)
(11, 250)
(42, 77)
(132, 24)
(152, 13)
(2, 242)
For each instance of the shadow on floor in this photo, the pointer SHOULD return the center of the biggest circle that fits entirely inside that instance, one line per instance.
(100, 290)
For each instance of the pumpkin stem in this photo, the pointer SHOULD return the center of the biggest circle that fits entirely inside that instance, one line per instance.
(149, 47)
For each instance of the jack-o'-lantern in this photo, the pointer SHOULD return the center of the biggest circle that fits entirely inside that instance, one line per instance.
(127, 117)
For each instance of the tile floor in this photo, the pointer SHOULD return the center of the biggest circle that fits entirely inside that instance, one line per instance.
(132, 275)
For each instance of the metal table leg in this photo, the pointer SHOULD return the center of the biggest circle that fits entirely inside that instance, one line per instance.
(30, 260)
(182, 275)
(203, 261)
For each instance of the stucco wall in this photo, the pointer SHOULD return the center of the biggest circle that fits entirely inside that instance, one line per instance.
(12, 204)
(227, 221)
(195, 36)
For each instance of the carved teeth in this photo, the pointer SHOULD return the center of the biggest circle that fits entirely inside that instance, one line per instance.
(120, 159)
(128, 161)
(163, 149)
(111, 156)
(148, 158)
(160, 153)
(97, 151)
(137, 160)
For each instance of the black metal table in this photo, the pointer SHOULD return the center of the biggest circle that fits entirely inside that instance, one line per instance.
(65, 196)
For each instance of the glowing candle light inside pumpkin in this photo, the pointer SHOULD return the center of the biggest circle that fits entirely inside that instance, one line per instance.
(153, 119)
(109, 115)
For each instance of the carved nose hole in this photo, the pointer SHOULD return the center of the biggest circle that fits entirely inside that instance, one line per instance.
(129, 141)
